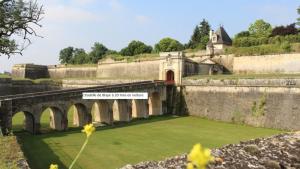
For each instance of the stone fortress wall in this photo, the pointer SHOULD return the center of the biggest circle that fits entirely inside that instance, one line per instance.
(129, 70)
(260, 102)
(271, 103)
(281, 63)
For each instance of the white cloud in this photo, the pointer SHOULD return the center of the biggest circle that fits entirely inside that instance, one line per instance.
(63, 13)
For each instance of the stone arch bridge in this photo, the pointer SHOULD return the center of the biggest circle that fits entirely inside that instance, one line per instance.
(104, 111)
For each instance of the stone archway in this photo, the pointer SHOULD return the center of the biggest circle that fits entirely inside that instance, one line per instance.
(28, 123)
(121, 111)
(81, 116)
(170, 77)
(102, 112)
(56, 119)
(139, 109)
(155, 104)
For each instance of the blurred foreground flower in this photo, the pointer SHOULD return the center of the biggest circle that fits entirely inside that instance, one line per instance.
(199, 157)
(53, 166)
(88, 130)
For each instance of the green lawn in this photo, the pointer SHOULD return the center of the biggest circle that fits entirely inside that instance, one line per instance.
(140, 140)
(4, 75)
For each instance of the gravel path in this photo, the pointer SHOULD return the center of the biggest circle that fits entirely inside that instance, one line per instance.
(276, 152)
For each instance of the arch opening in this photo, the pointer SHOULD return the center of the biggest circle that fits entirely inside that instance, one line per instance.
(23, 121)
(121, 111)
(155, 104)
(52, 119)
(170, 77)
(139, 109)
(101, 112)
(78, 115)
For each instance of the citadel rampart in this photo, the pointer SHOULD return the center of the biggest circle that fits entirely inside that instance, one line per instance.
(261, 103)
(63, 71)
(11, 87)
(5, 86)
(132, 70)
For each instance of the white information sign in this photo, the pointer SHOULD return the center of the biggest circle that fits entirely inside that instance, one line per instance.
(114, 96)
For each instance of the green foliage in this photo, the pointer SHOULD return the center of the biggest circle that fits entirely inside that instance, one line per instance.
(260, 28)
(259, 110)
(200, 36)
(259, 50)
(70, 55)
(97, 53)
(195, 39)
(65, 55)
(242, 34)
(253, 41)
(79, 57)
(135, 48)
(286, 46)
(168, 45)
(18, 20)
(298, 19)
(140, 57)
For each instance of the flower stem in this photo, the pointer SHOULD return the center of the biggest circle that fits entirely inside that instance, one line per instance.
(82, 148)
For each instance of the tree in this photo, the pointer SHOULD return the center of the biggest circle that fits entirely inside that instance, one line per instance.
(285, 30)
(195, 38)
(242, 34)
(260, 28)
(80, 57)
(66, 55)
(200, 35)
(135, 48)
(298, 19)
(204, 28)
(168, 45)
(72, 55)
(97, 53)
(18, 19)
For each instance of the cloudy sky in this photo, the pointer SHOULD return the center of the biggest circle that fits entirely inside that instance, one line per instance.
(115, 23)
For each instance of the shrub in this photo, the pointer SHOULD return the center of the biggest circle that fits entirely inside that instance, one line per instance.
(252, 41)
(168, 45)
(260, 50)
(285, 30)
(286, 46)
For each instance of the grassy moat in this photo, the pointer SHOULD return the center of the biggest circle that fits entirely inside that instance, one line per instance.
(151, 139)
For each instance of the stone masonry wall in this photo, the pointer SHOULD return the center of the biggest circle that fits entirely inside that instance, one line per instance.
(62, 71)
(257, 105)
(5, 86)
(280, 63)
(26, 86)
(133, 70)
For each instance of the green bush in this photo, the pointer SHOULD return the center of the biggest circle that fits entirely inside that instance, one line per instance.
(253, 41)
(284, 47)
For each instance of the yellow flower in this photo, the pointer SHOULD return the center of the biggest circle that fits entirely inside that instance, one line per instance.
(88, 129)
(199, 157)
(53, 166)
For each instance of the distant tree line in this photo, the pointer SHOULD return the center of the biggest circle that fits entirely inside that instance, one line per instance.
(259, 33)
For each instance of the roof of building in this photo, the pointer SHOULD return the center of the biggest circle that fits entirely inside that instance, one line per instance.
(223, 37)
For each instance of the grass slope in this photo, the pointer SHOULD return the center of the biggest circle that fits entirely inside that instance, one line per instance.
(151, 139)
